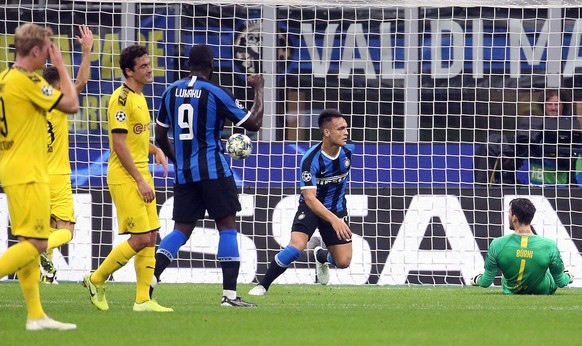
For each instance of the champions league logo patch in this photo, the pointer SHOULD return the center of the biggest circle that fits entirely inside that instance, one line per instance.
(306, 176)
(47, 90)
(120, 116)
(248, 44)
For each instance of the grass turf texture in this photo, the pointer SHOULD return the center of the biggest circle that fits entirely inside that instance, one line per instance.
(299, 315)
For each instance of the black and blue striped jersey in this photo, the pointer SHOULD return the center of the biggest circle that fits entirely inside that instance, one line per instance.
(195, 111)
(326, 174)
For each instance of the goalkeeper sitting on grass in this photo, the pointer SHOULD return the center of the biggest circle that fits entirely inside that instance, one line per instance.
(530, 264)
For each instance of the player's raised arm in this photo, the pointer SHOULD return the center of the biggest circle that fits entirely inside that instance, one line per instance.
(86, 42)
(255, 121)
(69, 102)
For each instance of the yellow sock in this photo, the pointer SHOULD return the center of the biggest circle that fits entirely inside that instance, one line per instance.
(29, 283)
(145, 262)
(58, 238)
(117, 258)
(17, 257)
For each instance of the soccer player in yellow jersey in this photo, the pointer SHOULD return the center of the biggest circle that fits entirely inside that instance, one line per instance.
(62, 211)
(130, 183)
(25, 98)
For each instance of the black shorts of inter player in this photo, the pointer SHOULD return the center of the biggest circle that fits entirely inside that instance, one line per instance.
(306, 221)
(217, 196)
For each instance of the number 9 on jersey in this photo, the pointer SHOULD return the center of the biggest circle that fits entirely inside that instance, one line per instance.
(239, 146)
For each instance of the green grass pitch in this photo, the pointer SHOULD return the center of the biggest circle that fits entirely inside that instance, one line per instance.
(300, 315)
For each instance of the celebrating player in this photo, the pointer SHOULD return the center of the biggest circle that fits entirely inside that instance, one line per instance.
(130, 183)
(195, 109)
(530, 264)
(322, 204)
(25, 98)
(62, 210)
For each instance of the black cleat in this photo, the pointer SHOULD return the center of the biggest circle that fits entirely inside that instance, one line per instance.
(237, 302)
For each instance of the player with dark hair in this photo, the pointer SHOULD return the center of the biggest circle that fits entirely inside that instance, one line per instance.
(25, 98)
(194, 109)
(530, 264)
(131, 184)
(62, 210)
(322, 205)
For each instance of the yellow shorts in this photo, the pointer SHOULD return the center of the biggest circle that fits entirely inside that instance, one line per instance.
(30, 213)
(62, 197)
(133, 214)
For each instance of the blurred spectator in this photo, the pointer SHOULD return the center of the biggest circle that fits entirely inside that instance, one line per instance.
(550, 136)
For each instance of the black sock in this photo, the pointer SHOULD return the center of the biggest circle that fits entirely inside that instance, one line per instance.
(322, 255)
(162, 262)
(229, 274)
(273, 272)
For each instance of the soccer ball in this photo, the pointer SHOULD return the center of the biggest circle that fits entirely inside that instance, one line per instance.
(239, 146)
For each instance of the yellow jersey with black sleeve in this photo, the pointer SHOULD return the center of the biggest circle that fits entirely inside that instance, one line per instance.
(25, 99)
(128, 113)
(58, 145)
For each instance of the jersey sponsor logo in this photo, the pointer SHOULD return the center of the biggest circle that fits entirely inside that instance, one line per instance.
(120, 116)
(47, 90)
(139, 128)
(329, 180)
(192, 93)
(306, 176)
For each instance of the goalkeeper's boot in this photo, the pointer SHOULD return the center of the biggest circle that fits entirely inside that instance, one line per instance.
(49, 272)
(322, 269)
(47, 323)
(96, 294)
(150, 306)
(258, 290)
(237, 302)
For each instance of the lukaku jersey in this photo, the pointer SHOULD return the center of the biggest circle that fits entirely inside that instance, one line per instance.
(128, 112)
(530, 265)
(195, 111)
(58, 145)
(25, 99)
(326, 174)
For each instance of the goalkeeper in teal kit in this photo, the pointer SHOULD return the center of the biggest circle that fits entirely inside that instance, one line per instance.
(530, 264)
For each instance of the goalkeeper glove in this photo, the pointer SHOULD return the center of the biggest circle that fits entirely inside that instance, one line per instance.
(475, 279)
(570, 276)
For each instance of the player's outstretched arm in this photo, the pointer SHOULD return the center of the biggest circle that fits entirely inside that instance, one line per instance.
(86, 42)
(255, 121)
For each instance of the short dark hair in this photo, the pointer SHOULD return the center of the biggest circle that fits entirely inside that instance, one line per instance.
(562, 96)
(51, 75)
(523, 209)
(200, 58)
(129, 55)
(326, 116)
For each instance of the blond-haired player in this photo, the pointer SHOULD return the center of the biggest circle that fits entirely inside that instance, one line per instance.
(130, 183)
(25, 98)
(62, 210)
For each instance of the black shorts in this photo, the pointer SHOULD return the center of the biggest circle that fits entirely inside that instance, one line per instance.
(306, 221)
(217, 196)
